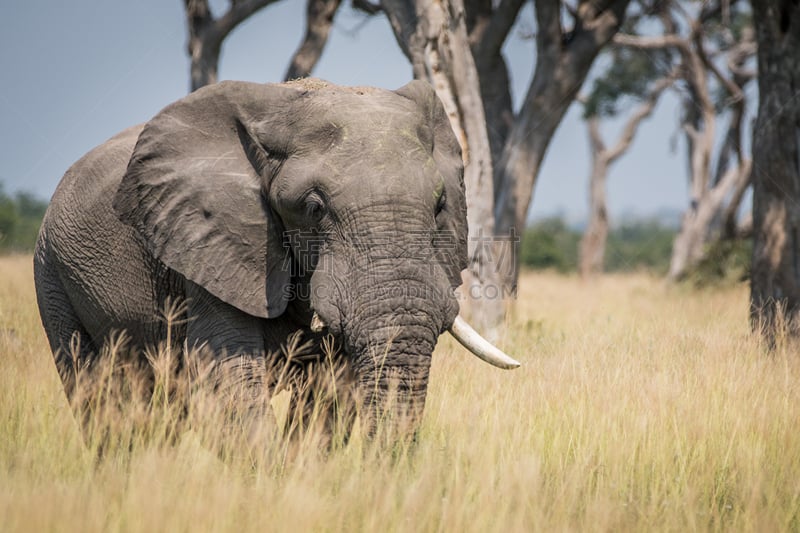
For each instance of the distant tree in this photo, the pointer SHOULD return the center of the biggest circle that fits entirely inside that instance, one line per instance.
(714, 43)
(568, 39)
(632, 74)
(775, 273)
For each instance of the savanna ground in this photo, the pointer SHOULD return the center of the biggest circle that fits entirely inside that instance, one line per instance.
(638, 407)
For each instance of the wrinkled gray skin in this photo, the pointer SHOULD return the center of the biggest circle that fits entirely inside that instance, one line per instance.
(213, 200)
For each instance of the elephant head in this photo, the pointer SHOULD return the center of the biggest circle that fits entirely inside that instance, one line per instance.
(354, 195)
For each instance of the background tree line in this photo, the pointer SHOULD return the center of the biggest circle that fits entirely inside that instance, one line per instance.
(634, 245)
(548, 244)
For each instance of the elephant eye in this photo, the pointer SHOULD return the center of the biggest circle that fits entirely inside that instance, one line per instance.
(314, 205)
(441, 202)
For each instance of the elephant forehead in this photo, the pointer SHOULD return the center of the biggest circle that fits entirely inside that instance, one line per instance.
(354, 121)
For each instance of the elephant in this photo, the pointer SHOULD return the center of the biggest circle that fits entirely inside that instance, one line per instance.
(269, 209)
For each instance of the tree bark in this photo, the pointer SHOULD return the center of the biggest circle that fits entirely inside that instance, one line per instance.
(319, 19)
(593, 243)
(488, 29)
(433, 35)
(689, 246)
(775, 272)
(203, 46)
(708, 218)
(562, 64)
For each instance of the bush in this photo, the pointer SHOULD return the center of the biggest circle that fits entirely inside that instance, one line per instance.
(726, 262)
(20, 218)
(644, 244)
(550, 244)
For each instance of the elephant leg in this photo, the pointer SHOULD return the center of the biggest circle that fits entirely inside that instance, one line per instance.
(234, 341)
(72, 346)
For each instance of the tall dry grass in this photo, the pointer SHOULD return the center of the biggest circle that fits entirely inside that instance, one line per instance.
(639, 407)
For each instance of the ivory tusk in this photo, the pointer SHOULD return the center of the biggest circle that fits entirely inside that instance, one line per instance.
(317, 324)
(483, 349)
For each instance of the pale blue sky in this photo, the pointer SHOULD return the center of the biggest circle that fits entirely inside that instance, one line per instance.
(75, 73)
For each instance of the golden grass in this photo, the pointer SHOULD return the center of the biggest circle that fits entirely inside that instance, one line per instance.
(639, 407)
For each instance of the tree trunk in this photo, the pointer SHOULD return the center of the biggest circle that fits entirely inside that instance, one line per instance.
(775, 272)
(697, 225)
(488, 29)
(706, 212)
(434, 36)
(319, 19)
(563, 61)
(207, 33)
(592, 248)
(205, 61)
(204, 44)
(593, 242)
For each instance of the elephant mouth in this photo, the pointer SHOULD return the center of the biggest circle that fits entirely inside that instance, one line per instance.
(465, 335)
(317, 324)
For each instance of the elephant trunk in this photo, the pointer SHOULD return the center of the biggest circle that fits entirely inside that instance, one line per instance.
(392, 346)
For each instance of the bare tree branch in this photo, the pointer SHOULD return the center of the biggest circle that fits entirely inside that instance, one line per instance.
(496, 32)
(403, 20)
(641, 113)
(732, 145)
(731, 229)
(548, 23)
(562, 64)
(206, 35)
(319, 19)
(595, 137)
(733, 89)
(650, 42)
(238, 12)
(739, 54)
(367, 7)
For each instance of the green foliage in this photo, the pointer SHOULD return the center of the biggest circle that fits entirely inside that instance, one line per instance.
(629, 75)
(550, 243)
(20, 218)
(727, 262)
(635, 245)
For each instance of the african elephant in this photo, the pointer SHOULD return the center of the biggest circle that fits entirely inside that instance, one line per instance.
(269, 209)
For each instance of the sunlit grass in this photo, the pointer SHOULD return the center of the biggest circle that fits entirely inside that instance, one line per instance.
(638, 407)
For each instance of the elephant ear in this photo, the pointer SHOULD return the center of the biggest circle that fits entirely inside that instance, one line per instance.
(452, 220)
(195, 191)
